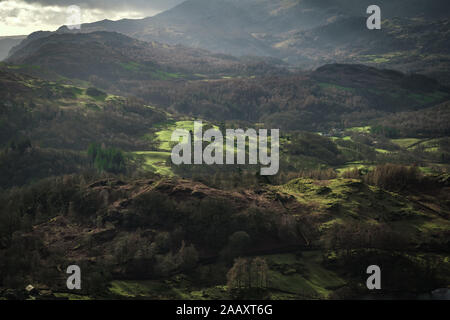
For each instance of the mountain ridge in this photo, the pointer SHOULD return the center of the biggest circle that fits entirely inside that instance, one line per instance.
(113, 56)
(305, 33)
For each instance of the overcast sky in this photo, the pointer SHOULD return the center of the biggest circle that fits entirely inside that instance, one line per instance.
(21, 17)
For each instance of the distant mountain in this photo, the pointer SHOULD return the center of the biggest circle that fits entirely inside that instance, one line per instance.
(307, 33)
(408, 45)
(221, 87)
(109, 58)
(226, 26)
(303, 32)
(255, 27)
(7, 43)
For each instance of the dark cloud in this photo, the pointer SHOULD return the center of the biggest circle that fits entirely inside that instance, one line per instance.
(136, 5)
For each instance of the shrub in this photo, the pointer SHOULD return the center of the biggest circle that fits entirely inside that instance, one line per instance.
(394, 177)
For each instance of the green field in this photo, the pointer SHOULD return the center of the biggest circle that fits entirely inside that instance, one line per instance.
(405, 143)
(164, 135)
(429, 145)
(155, 161)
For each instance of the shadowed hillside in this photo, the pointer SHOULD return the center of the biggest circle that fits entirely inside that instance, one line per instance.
(181, 237)
(108, 57)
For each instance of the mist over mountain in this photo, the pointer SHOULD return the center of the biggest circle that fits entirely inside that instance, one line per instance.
(6, 43)
(256, 27)
(199, 22)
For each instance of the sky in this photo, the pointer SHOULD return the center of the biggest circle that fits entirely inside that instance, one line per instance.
(22, 17)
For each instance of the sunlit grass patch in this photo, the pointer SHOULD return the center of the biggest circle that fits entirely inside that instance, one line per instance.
(360, 129)
(354, 165)
(155, 161)
(406, 142)
(164, 135)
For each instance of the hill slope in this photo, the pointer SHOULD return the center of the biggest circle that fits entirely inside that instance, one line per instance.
(225, 87)
(46, 127)
(226, 25)
(182, 236)
(228, 88)
(7, 43)
(111, 58)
